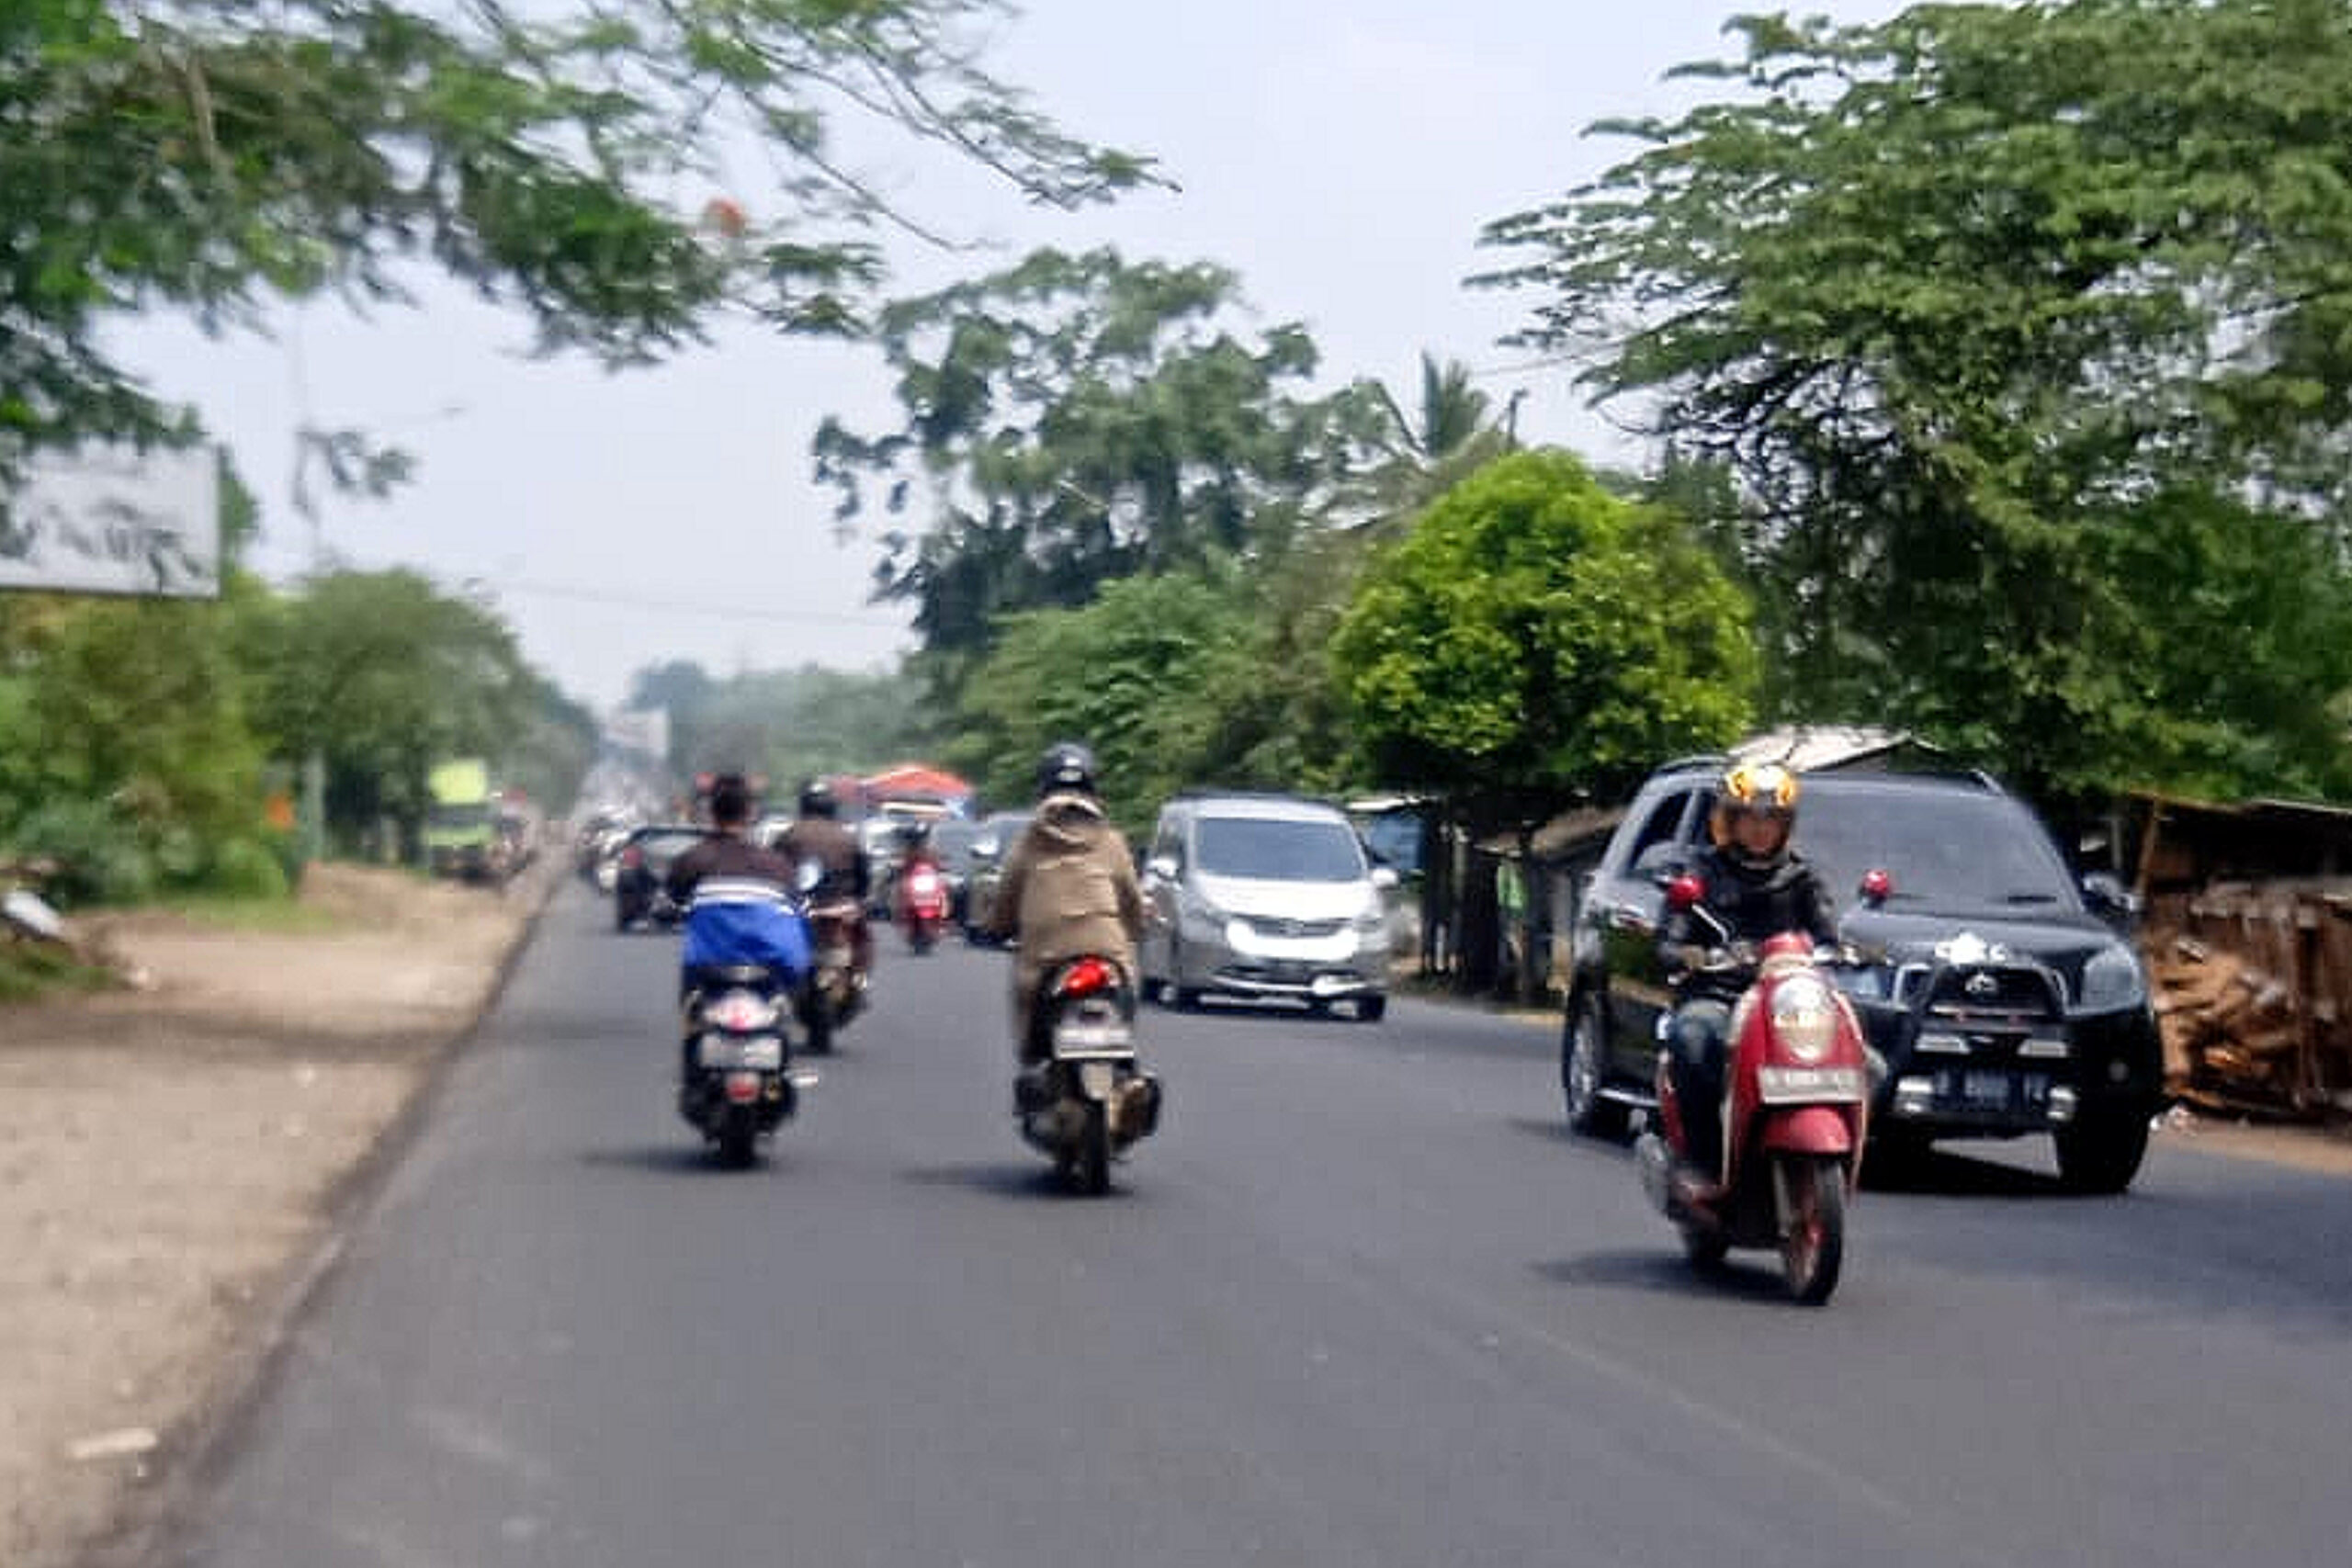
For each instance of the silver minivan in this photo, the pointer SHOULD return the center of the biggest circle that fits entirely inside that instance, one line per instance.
(1263, 895)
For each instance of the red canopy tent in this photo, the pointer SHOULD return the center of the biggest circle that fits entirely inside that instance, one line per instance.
(916, 781)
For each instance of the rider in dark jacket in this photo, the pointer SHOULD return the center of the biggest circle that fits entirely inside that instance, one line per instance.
(816, 834)
(1753, 887)
(738, 896)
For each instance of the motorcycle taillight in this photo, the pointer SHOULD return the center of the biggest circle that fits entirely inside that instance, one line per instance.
(1087, 976)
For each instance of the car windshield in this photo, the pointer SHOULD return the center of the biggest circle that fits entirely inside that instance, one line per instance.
(1395, 837)
(667, 846)
(1278, 851)
(1946, 850)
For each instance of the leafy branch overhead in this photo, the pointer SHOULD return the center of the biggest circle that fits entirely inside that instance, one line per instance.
(209, 155)
(2027, 332)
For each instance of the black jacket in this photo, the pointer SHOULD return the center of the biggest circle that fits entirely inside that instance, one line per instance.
(1751, 903)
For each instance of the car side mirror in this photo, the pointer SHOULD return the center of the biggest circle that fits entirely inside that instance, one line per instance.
(2110, 898)
(1162, 866)
(1659, 864)
(1382, 878)
(1684, 892)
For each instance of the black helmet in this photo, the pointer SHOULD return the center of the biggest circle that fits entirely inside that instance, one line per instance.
(817, 799)
(1065, 767)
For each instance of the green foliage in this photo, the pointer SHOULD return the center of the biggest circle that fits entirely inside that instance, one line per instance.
(383, 675)
(789, 723)
(29, 971)
(1152, 676)
(1075, 420)
(1535, 635)
(205, 156)
(2027, 330)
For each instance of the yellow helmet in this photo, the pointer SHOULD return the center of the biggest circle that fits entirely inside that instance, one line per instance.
(1765, 789)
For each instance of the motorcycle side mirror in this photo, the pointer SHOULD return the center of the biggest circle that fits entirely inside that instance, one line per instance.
(810, 873)
(1684, 892)
(1162, 868)
(987, 848)
(1878, 887)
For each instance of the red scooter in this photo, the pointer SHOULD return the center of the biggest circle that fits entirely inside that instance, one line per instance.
(922, 904)
(1797, 1108)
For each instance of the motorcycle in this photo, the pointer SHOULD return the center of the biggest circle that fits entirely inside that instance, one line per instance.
(1089, 1102)
(922, 904)
(738, 1084)
(835, 989)
(1797, 1112)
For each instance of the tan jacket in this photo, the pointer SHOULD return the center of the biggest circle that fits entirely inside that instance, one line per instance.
(1070, 888)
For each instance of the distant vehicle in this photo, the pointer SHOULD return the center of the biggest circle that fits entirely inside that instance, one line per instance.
(461, 827)
(996, 836)
(640, 869)
(1264, 895)
(2000, 992)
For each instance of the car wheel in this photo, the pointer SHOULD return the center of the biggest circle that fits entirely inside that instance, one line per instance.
(1372, 1009)
(2101, 1153)
(1584, 1071)
(1183, 997)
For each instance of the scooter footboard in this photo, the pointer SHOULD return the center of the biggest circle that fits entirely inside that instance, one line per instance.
(1808, 1130)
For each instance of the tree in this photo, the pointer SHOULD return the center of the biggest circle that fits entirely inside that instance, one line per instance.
(384, 676)
(1153, 675)
(2011, 321)
(791, 724)
(1535, 636)
(1075, 420)
(1447, 437)
(207, 155)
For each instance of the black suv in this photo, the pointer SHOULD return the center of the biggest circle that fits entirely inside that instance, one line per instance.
(2001, 993)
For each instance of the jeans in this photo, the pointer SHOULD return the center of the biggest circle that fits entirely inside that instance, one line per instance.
(1695, 1043)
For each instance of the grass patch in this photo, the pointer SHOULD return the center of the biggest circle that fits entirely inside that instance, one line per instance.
(284, 916)
(29, 971)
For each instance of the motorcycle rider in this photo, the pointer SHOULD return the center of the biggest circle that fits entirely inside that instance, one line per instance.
(737, 899)
(1753, 887)
(1068, 888)
(816, 834)
(914, 852)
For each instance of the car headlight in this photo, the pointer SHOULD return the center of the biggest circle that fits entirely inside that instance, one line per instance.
(1804, 1018)
(2112, 979)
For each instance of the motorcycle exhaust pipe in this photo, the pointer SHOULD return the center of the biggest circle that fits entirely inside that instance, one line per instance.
(1656, 1163)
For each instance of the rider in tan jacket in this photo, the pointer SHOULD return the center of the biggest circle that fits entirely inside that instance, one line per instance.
(1068, 888)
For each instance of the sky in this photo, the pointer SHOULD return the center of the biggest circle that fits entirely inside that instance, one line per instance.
(1339, 156)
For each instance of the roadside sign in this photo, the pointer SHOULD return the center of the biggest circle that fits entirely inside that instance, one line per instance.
(114, 520)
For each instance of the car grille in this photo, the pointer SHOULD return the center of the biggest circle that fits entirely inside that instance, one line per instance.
(1291, 929)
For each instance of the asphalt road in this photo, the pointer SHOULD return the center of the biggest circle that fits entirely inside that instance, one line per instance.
(1362, 1302)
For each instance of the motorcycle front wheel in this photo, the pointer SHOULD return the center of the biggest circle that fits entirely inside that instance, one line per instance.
(1813, 1249)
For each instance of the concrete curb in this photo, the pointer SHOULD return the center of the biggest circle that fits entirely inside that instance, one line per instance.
(197, 1453)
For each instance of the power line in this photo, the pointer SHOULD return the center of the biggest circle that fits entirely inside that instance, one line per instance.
(686, 606)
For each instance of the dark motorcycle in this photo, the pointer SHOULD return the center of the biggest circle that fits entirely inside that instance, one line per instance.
(1089, 1102)
(835, 989)
(737, 1083)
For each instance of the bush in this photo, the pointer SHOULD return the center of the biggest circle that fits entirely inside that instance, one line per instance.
(100, 857)
(246, 868)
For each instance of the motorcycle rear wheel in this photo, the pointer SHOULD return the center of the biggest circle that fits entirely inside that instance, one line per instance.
(1814, 1250)
(1093, 1172)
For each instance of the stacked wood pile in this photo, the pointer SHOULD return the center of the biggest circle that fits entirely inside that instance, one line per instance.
(2253, 992)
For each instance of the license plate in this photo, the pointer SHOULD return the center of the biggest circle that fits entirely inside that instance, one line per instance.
(1093, 1037)
(1979, 1088)
(721, 1052)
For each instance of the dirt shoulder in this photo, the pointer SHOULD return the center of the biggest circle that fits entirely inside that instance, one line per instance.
(170, 1160)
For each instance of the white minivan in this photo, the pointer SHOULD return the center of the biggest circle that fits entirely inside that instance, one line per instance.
(1263, 895)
